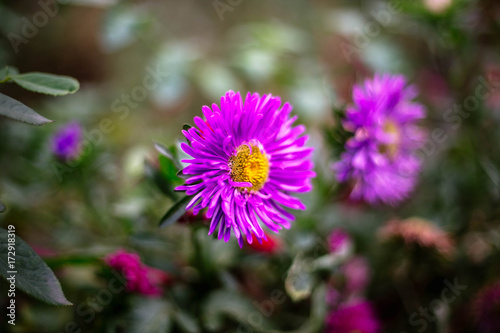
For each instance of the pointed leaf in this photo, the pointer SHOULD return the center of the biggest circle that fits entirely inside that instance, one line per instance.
(222, 304)
(49, 84)
(165, 151)
(181, 174)
(150, 315)
(7, 72)
(169, 170)
(16, 110)
(159, 180)
(162, 149)
(33, 276)
(318, 306)
(298, 283)
(186, 322)
(175, 212)
(332, 260)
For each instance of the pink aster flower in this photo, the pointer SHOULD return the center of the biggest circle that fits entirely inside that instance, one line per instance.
(140, 278)
(356, 317)
(415, 230)
(247, 159)
(357, 274)
(379, 160)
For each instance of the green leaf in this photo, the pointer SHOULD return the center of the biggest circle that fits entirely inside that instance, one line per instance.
(181, 174)
(328, 262)
(49, 84)
(2, 207)
(175, 212)
(331, 261)
(156, 176)
(186, 322)
(299, 281)
(16, 110)
(7, 72)
(169, 170)
(33, 275)
(162, 149)
(317, 313)
(223, 304)
(150, 315)
(186, 127)
(168, 153)
(318, 306)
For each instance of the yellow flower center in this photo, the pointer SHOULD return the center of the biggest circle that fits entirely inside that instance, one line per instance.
(391, 148)
(249, 168)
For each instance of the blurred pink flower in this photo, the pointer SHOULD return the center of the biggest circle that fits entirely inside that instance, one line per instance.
(437, 6)
(333, 296)
(356, 317)
(338, 241)
(140, 278)
(357, 274)
(422, 232)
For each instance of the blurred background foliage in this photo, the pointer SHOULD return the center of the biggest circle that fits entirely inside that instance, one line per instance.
(308, 52)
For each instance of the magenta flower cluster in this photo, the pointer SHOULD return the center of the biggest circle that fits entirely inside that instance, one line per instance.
(140, 278)
(487, 309)
(350, 312)
(356, 317)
